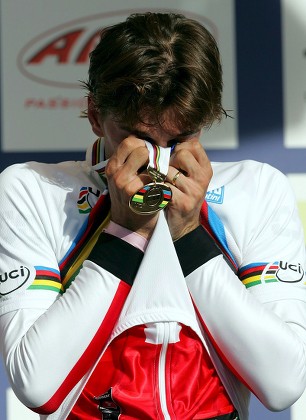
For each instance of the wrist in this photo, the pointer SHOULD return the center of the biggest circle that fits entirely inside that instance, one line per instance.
(127, 235)
(140, 225)
(178, 232)
(195, 249)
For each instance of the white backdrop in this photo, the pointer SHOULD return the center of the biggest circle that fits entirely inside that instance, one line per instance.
(44, 55)
(46, 58)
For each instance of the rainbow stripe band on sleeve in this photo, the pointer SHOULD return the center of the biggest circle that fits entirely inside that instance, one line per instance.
(258, 273)
(47, 279)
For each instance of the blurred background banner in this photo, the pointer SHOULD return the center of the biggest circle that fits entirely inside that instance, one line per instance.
(44, 56)
(294, 71)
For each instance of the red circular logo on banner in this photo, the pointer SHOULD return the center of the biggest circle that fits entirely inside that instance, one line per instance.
(59, 57)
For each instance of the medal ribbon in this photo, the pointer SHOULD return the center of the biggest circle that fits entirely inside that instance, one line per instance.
(156, 195)
(159, 158)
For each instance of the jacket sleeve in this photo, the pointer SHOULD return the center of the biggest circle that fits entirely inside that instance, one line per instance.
(49, 340)
(256, 319)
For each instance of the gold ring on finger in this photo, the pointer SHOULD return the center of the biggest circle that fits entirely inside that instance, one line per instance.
(173, 182)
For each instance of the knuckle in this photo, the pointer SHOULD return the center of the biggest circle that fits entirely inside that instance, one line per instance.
(131, 142)
(110, 168)
(130, 190)
(125, 146)
(141, 154)
(186, 207)
(209, 172)
(206, 173)
(128, 142)
(113, 174)
(118, 180)
(144, 152)
(181, 155)
(196, 146)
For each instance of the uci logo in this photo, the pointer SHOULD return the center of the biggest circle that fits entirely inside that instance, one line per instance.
(87, 199)
(13, 280)
(289, 273)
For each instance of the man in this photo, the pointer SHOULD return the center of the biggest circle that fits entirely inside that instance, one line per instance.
(123, 294)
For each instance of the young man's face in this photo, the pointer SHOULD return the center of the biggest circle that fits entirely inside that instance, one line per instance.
(164, 136)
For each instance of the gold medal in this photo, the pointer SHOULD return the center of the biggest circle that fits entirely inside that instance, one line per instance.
(151, 198)
(155, 196)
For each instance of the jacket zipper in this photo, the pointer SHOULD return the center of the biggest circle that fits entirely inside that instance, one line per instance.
(164, 330)
(163, 333)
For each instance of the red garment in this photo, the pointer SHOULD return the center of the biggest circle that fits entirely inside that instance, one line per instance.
(143, 380)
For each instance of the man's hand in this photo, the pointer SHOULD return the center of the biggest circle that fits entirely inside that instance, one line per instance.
(124, 180)
(183, 212)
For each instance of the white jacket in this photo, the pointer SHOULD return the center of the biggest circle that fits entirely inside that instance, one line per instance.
(250, 322)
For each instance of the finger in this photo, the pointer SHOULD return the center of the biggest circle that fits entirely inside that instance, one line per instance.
(129, 149)
(128, 171)
(194, 147)
(185, 161)
(190, 167)
(175, 177)
(137, 159)
(191, 185)
(193, 162)
(125, 148)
